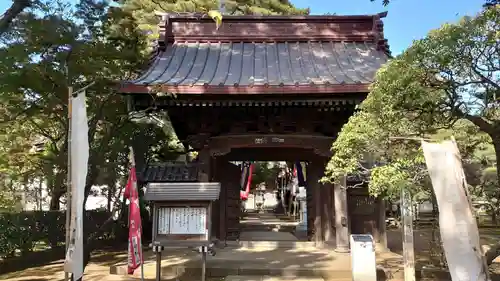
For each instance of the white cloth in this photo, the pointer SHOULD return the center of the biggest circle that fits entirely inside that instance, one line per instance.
(79, 160)
(459, 232)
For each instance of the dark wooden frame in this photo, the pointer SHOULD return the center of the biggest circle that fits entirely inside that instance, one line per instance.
(222, 145)
(180, 240)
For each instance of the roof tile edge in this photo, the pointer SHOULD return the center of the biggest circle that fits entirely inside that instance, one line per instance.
(199, 27)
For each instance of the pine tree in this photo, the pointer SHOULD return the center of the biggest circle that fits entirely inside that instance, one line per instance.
(233, 7)
(142, 12)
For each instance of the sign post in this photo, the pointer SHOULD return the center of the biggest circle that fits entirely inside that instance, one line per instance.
(182, 217)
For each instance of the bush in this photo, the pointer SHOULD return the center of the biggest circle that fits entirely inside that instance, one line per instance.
(22, 231)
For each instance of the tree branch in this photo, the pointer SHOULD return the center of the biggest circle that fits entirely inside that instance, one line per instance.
(484, 125)
(485, 79)
(15, 9)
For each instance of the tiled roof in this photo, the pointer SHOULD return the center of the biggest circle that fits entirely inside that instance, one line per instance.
(170, 172)
(182, 191)
(271, 64)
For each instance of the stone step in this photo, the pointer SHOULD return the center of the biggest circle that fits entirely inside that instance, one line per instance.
(193, 269)
(250, 273)
(295, 245)
(259, 271)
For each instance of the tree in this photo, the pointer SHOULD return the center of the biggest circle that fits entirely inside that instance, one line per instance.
(45, 51)
(450, 75)
(366, 148)
(265, 173)
(446, 84)
(45, 54)
(491, 3)
(233, 7)
(384, 2)
(12, 12)
(143, 12)
(488, 3)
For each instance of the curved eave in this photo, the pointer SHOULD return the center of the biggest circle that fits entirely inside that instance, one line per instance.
(285, 89)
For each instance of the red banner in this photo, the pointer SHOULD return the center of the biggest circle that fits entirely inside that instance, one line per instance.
(134, 236)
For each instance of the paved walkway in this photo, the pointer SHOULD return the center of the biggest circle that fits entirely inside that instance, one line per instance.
(250, 257)
(280, 262)
(270, 278)
(267, 236)
(267, 227)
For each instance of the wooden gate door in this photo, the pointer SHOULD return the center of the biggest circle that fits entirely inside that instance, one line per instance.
(362, 211)
(228, 205)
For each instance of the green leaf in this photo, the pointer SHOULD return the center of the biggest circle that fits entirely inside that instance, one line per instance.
(216, 16)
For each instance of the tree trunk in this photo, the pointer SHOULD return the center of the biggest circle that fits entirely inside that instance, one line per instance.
(39, 194)
(493, 130)
(494, 216)
(495, 137)
(109, 197)
(54, 202)
(496, 144)
(58, 189)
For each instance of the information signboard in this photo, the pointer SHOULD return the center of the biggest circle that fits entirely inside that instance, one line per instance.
(183, 221)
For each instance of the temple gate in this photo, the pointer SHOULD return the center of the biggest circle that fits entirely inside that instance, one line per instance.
(266, 88)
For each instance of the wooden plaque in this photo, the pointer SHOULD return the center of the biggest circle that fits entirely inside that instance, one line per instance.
(183, 223)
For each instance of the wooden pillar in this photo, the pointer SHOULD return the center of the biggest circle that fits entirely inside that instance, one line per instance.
(204, 162)
(341, 217)
(219, 206)
(313, 176)
(310, 205)
(220, 164)
(327, 216)
(380, 234)
(204, 175)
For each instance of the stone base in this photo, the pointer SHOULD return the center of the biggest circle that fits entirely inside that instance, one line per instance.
(379, 247)
(342, 249)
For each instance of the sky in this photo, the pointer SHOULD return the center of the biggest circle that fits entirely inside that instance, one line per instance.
(407, 19)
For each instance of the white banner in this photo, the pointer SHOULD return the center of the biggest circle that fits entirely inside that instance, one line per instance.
(459, 232)
(79, 160)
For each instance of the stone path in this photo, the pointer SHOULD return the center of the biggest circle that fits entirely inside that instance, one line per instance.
(267, 236)
(266, 227)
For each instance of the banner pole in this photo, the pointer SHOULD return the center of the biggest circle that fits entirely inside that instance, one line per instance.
(68, 185)
(142, 257)
(136, 191)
